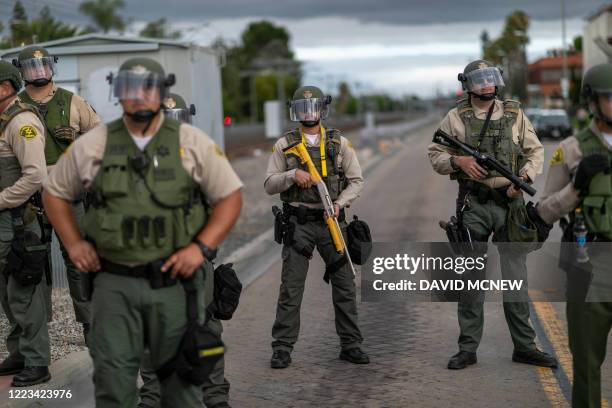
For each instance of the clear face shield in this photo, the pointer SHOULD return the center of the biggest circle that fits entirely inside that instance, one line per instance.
(481, 81)
(308, 110)
(146, 87)
(38, 68)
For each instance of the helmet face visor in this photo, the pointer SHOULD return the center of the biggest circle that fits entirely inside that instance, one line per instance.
(308, 110)
(143, 87)
(481, 80)
(38, 68)
(182, 115)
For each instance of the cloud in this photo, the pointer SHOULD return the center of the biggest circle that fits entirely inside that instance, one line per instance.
(394, 12)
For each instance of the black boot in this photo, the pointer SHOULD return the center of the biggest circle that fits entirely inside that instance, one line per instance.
(280, 359)
(355, 356)
(30, 376)
(535, 357)
(461, 360)
(8, 367)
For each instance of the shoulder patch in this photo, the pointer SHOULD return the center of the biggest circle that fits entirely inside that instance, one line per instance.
(28, 131)
(218, 151)
(558, 157)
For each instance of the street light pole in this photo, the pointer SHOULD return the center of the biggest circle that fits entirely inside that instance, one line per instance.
(564, 79)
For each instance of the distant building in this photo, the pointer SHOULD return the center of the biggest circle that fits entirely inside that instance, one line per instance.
(544, 87)
(597, 38)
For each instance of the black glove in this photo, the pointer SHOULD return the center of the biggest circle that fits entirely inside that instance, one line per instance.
(541, 226)
(588, 168)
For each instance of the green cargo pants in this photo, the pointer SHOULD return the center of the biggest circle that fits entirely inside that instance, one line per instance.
(80, 303)
(482, 220)
(24, 306)
(128, 316)
(214, 390)
(588, 325)
(79, 300)
(295, 267)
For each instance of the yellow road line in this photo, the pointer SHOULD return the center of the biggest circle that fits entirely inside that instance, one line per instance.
(557, 335)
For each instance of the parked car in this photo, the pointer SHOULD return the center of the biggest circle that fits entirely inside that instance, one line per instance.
(532, 114)
(552, 123)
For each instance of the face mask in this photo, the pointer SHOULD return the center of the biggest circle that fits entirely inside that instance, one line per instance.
(39, 83)
(309, 123)
(485, 97)
(143, 116)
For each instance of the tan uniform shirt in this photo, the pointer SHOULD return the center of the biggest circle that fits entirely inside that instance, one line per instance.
(279, 179)
(522, 132)
(202, 158)
(560, 197)
(24, 138)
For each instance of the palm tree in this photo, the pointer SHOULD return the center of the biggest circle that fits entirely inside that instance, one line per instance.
(102, 12)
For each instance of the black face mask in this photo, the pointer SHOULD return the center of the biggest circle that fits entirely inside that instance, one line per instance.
(485, 97)
(39, 82)
(309, 123)
(143, 116)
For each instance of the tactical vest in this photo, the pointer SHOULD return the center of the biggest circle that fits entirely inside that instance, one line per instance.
(10, 169)
(129, 224)
(335, 179)
(497, 140)
(56, 114)
(597, 204)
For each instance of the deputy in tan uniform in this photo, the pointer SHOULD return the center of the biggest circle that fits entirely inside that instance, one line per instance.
(336, 161)
(579, 184)
(22, 254)
(66, 116)
(149, 178)
(501, 129)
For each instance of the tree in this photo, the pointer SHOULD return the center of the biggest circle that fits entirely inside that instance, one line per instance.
(251, 74)
(484, 41)
(18, 23)
(509, 51)
(42, 28)
(103, 14)
(260, 34)
(577, 43)
(159, 29)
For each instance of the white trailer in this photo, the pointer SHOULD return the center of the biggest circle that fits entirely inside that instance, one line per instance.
(85, 61)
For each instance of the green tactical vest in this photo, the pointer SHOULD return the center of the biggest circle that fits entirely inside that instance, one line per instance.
(597, 204)
(497, 141)
(335, 180)
(10, 169)
(56, 114)
(129, 225)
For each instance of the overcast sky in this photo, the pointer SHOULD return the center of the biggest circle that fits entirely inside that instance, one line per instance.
(398, 46)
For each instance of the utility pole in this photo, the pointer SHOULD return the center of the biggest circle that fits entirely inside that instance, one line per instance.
(564, 78)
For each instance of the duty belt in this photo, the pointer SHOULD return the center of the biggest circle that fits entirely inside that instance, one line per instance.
(484, 193)
(150, 271)
(304, 214)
